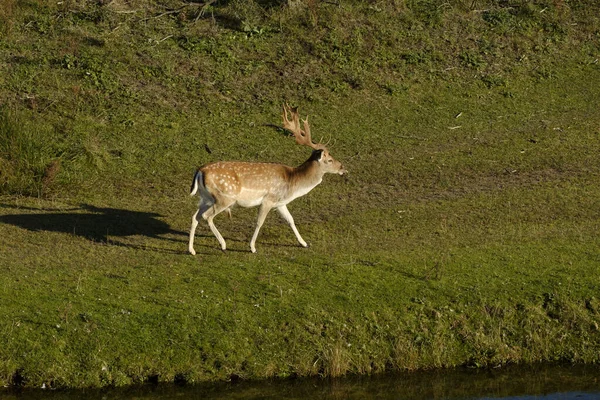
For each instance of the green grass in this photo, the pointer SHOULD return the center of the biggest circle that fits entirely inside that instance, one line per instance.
(466, 233)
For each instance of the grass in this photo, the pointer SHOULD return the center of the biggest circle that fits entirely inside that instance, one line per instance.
(465, 234)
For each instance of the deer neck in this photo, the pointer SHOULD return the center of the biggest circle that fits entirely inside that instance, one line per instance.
(305, 177)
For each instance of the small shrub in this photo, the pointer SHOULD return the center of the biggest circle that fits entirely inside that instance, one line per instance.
(472, 60)
(498, 17)
(429, 12)
(492, 81)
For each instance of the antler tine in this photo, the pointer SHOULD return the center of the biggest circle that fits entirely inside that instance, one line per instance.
(286, 120)
(291, 125)
(316, 146)
(329, 143)
(302, 136)
(307, 131)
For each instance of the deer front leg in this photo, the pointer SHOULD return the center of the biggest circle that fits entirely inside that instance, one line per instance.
(262, 214)
(285, 213)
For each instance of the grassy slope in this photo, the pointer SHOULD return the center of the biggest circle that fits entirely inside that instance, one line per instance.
(466, 233)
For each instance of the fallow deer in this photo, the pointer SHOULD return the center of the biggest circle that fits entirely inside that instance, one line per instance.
(268, 185)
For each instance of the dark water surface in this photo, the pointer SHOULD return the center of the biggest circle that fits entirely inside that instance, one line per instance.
(549, 382)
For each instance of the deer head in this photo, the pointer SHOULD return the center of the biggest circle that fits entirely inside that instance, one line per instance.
(304, 138)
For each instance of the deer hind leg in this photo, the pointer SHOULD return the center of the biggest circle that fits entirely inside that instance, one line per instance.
(262, 214)
(220, 206)
(285, 213)
(204, 205)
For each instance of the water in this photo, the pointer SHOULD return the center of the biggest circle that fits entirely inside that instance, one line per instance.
(549, 382)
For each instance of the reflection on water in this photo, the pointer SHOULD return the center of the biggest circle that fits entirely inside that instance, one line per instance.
(514, 383)
(552, 396)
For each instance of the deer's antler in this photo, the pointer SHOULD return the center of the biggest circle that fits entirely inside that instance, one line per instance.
(293, 126)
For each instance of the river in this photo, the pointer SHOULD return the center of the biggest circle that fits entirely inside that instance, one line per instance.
(549, 382)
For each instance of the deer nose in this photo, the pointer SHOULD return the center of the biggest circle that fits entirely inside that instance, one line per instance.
(342, 170)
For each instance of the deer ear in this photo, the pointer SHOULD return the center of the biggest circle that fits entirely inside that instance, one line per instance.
(316, 155)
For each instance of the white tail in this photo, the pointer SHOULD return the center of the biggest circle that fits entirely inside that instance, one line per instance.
(196, 183)
(224, 184)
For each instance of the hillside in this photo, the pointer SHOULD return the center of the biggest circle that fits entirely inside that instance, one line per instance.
(466, 232)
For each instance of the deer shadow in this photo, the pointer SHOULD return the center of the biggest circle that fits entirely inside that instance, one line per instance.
(98, 224)
(113, 225)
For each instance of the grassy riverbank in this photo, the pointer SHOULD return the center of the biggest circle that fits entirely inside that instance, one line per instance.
(467, 232)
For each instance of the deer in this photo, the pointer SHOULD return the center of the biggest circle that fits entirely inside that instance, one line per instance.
(223, 184)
